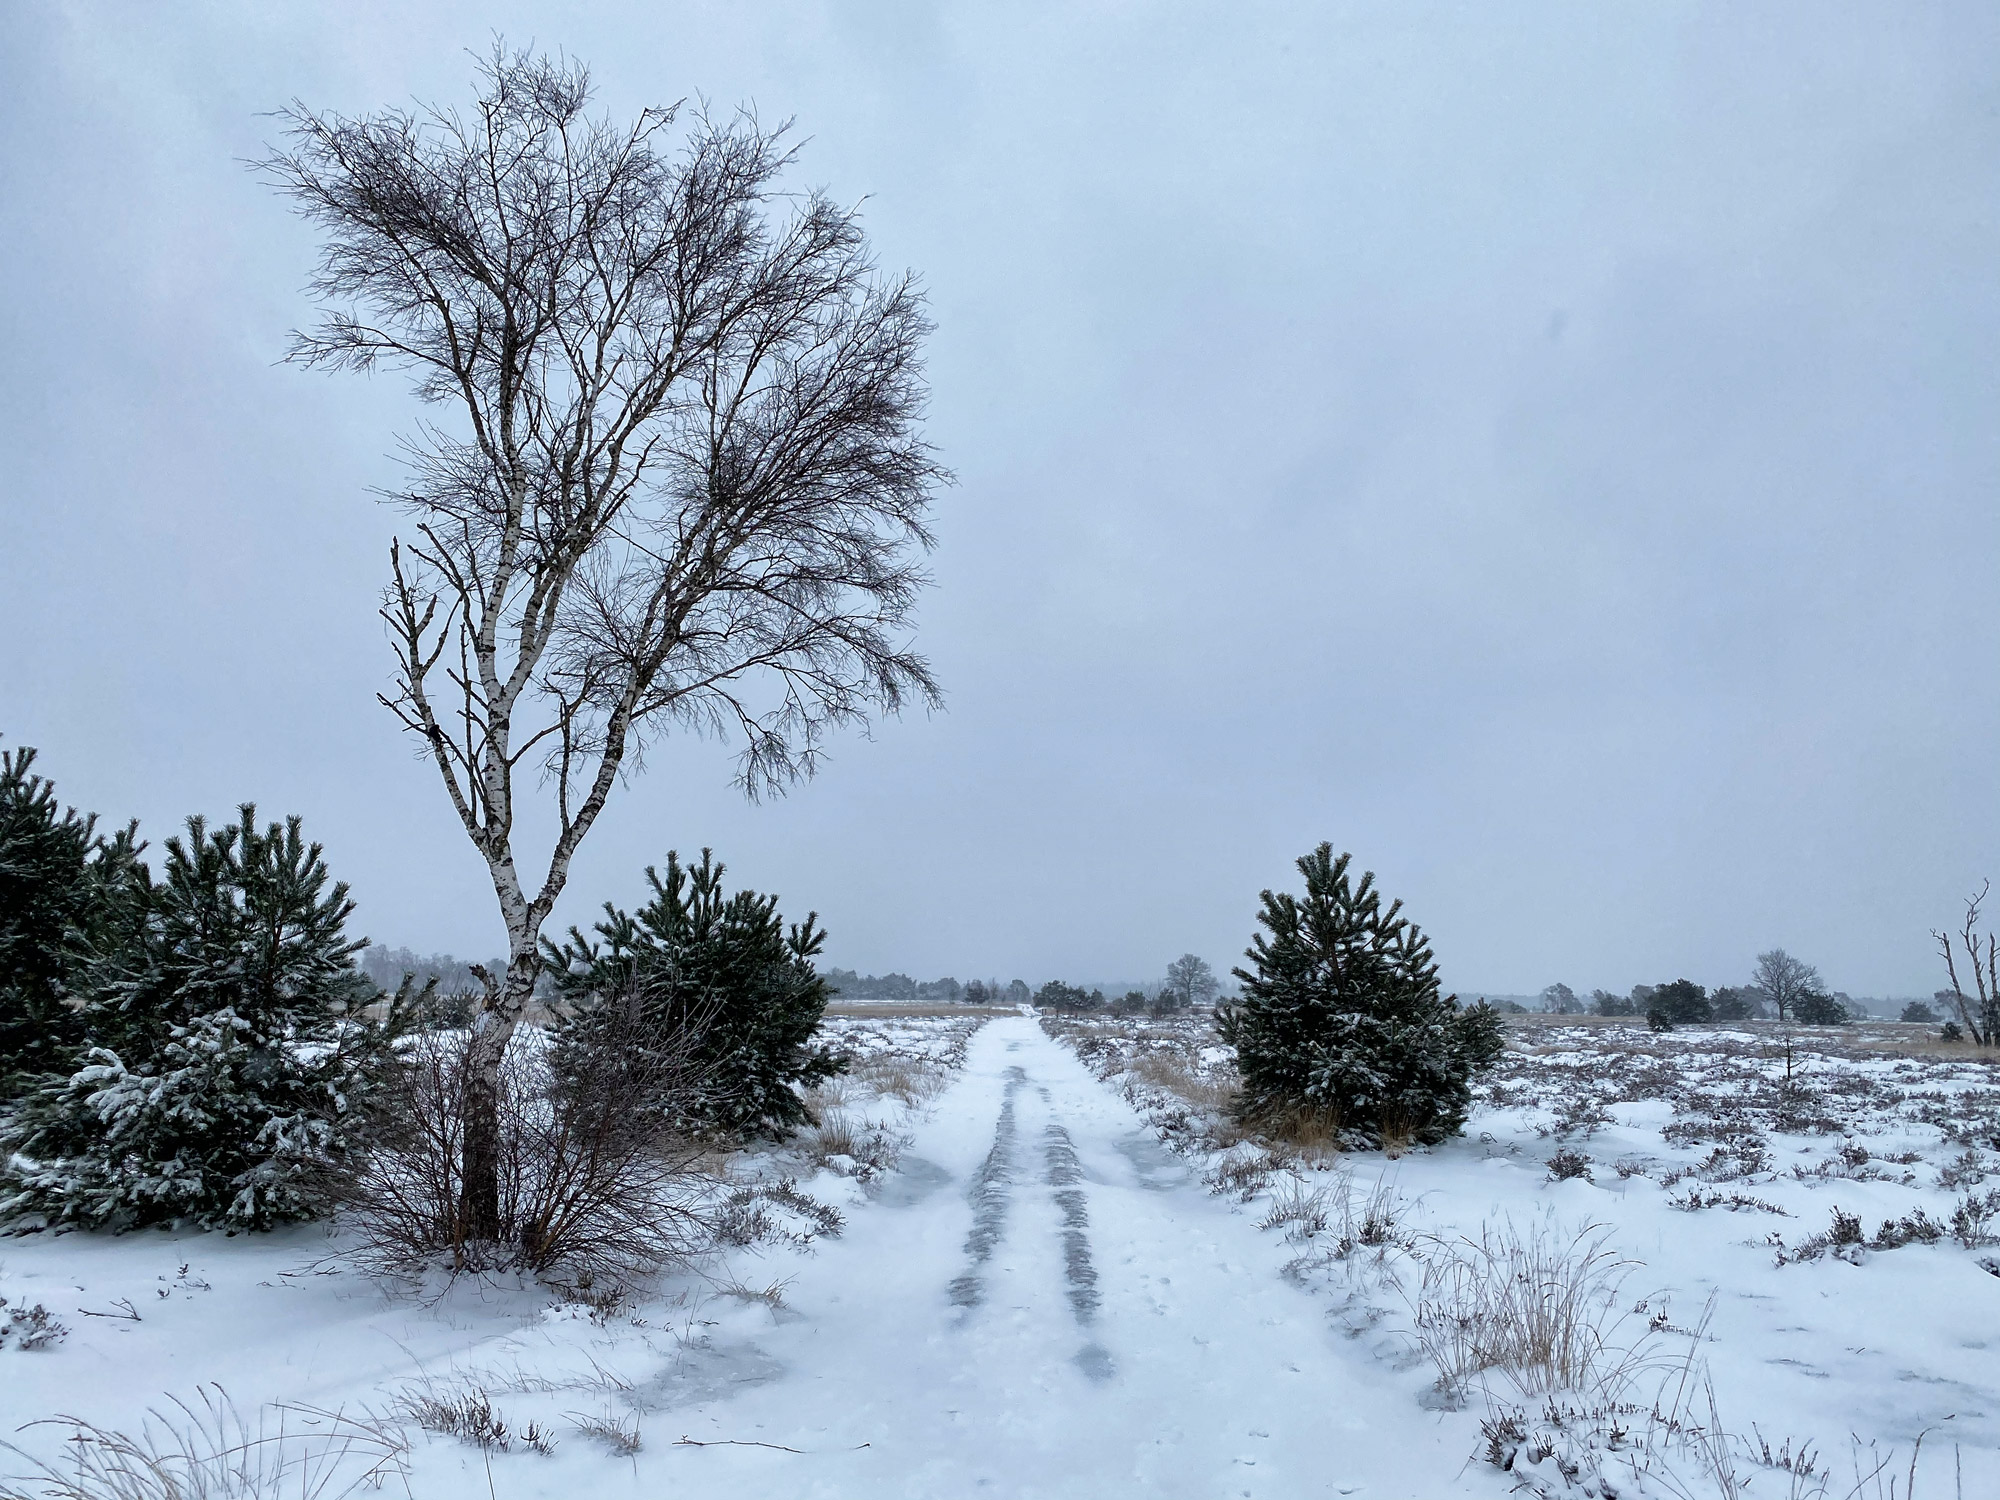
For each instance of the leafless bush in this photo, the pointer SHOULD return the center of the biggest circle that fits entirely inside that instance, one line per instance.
(1968, 1170)
(1695, 1199)
(207, 1450)
(595, 1187)
(1537, 1305)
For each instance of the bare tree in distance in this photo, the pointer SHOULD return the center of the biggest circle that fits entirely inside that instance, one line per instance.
(1784, 981)
(681, 480)
(1191, 981)
(1978, 1012)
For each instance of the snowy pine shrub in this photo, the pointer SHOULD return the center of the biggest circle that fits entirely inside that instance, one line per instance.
(228, 1062)
(1342, 1017)
(717, 981)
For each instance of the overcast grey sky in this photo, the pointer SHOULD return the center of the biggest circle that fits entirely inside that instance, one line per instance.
(1549, 450)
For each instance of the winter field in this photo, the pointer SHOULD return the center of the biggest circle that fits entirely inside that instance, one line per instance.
(1033, 1258)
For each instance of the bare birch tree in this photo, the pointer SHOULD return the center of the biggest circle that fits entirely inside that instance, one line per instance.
(676, 476)
(1979, 1011)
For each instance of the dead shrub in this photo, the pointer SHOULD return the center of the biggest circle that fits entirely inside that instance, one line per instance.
(595, 1186)
(1341, 1223)
(1972, 1219)
(860, 1149)
(30, 1327)
(1243, 1171)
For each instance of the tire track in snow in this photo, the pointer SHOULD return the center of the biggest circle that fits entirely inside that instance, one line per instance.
(1063, 1173)
(991, 1198)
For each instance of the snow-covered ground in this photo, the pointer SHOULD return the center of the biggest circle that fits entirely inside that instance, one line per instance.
(1722, 1181)
(1032, 1295)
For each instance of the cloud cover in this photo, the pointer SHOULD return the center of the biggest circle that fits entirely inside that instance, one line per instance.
(1548, 450)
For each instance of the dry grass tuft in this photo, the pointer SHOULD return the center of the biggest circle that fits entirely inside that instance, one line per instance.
(207, 1450)
(1172, 1071)
(1536, 1305)
(912, 1081)
(1303, 1131)
(465, 1411)
(619, 1434)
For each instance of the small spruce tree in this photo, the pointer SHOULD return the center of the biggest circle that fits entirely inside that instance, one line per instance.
(229, 1061)
(717, 983)
(1342, 1015)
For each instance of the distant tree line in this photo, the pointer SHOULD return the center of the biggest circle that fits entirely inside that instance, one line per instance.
(1190, 982)
(901, 989)
(1781, 987)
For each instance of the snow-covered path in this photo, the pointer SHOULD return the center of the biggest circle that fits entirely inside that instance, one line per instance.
(1041, 1302)
(1044, 1303)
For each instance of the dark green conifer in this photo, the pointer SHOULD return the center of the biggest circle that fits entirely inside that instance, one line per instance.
(1682, 1003)
(229, 1062)
(62, 888)
(1817, 1008)
(1342, 1016)
(717, 982)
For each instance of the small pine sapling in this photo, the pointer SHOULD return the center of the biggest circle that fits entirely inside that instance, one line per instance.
(717, 981)
(230, 1056)
(1342, 1016)
(63, 887)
